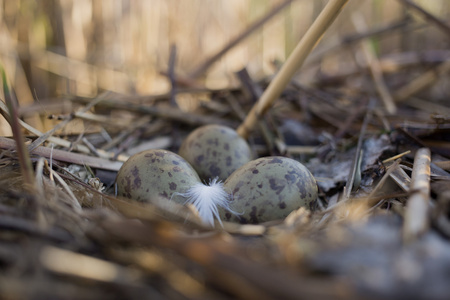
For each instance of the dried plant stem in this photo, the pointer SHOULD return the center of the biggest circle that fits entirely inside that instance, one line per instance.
(43, 137)
(422, 82)
(294, 62)
(355, 171)
(26, 167)
(443, 165)
(52, 139)
(417, 219)
(204, 66)
(169, 113)
(396, 157)
(94, 162)
(374, 65)
(75, 204)
(430, 17)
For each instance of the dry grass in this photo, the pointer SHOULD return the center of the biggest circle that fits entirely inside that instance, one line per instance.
(97, 81)
(55, 48)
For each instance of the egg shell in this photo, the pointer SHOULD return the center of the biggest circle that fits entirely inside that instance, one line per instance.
(269, 188)
(155, 174)
(215, 151)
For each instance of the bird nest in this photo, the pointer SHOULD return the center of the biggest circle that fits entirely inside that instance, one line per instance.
(378, 229)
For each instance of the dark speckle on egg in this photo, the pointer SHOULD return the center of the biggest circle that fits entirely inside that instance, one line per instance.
(137, 182)
(253, 215)
(275, 160)
(276, 185)
(135, 171)
(214, 170)
(173, 186)
(290, 178)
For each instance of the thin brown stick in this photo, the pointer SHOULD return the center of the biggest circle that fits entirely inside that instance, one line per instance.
(417, 219)
(443, 165)
(422, 82)
(354, 176)
(294, 62)
(170, 113)
(204, 66)
(171, 75)
(65, 156)
(61, 125)
(442, 25)
(26, 167)
(374, 65)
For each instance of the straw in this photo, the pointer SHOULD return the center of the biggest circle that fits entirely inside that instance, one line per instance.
(294, 62)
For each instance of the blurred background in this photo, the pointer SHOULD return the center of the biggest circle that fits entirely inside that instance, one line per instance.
(53, 48)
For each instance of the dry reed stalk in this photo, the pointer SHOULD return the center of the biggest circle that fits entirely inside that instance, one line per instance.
(374, 65)
(52, 139)
(354, 177)
(204, 66)
(422, 82)
(430, 17)
(170, 113)
(82, 73)
(294, 62)
(26, 167)
(66, 262)
(443, 165)
(417, 219)
(65, 156)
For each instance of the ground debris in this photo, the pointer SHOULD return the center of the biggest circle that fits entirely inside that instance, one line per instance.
(371, 125)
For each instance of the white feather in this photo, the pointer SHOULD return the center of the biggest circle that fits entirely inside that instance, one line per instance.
(207, 199)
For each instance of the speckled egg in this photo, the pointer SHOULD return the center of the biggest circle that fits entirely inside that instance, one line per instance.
(215, 151)
(155, 174)
(269, 188)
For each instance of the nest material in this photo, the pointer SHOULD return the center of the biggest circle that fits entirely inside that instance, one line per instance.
(79, 241)
(64, 235)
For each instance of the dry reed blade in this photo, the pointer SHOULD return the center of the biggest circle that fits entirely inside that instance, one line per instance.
(26, 167)
(42, 138)
(374, 65)
(438, 22)
(294, 62)
(204, 66)
(417, 218)
(75, 158)
(422, 82)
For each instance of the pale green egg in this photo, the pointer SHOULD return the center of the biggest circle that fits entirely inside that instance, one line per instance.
(215, 151)
(155, 175)
(269, 188)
